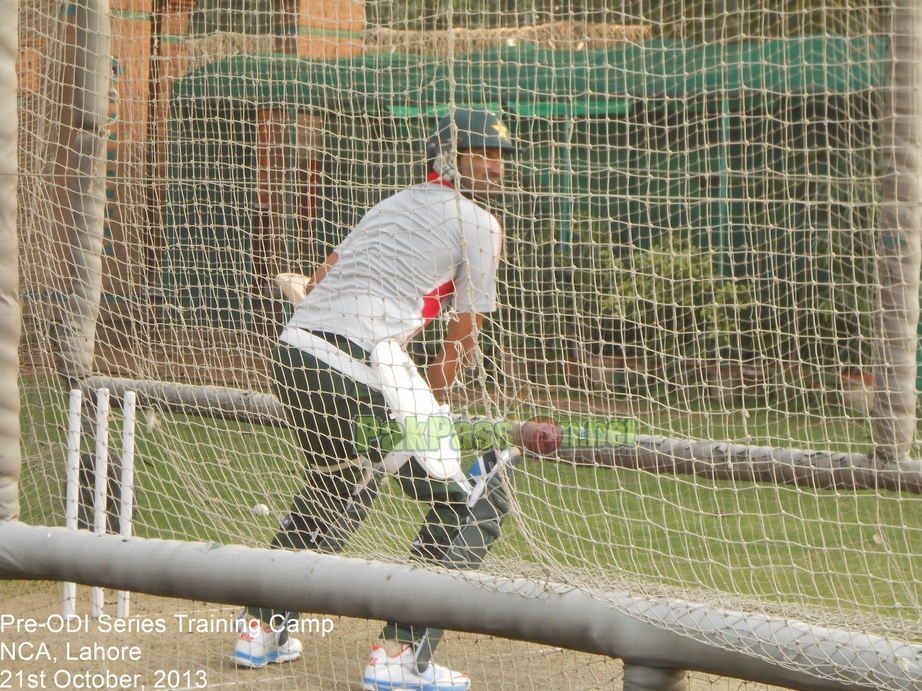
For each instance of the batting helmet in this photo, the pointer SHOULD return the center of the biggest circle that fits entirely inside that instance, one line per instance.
(476, 129)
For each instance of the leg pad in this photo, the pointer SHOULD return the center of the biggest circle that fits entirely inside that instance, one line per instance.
(464, 546)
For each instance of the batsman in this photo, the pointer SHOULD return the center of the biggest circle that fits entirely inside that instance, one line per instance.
(342, 357)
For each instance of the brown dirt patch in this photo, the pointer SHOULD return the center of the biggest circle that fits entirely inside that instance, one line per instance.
(180, 659)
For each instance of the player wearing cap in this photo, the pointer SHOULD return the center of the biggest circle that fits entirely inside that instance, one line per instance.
(342, 356)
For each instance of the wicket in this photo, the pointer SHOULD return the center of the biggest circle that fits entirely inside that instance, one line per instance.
(101, 483)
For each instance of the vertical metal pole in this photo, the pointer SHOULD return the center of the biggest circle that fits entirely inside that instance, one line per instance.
(10, 454)
(85, 115)
(899, 244)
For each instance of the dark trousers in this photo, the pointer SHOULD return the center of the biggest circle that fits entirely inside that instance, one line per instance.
(322, 406)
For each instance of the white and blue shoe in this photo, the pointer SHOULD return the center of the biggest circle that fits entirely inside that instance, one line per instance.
(399, 673)
(256, 647)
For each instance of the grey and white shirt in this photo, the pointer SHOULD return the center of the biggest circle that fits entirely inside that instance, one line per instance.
(401, 264)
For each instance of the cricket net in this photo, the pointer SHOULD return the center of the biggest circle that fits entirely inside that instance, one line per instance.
(696, 284)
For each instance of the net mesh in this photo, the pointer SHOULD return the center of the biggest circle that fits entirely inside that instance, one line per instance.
(689, 252)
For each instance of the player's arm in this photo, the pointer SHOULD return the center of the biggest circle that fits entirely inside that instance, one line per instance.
(296, 287)
(321, 272)
(459, 342)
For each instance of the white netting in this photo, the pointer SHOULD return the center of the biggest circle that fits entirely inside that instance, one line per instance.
(691, 243)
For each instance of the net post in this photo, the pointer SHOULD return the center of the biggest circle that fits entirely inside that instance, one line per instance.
(899, 243)
(10, 308)
(87, 38)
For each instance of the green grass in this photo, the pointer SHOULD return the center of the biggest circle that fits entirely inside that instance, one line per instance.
(779, 543)
(835, 550)
(195, 478)
(829, 428)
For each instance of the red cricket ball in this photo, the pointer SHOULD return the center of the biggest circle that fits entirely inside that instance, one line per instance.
(541, 436)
